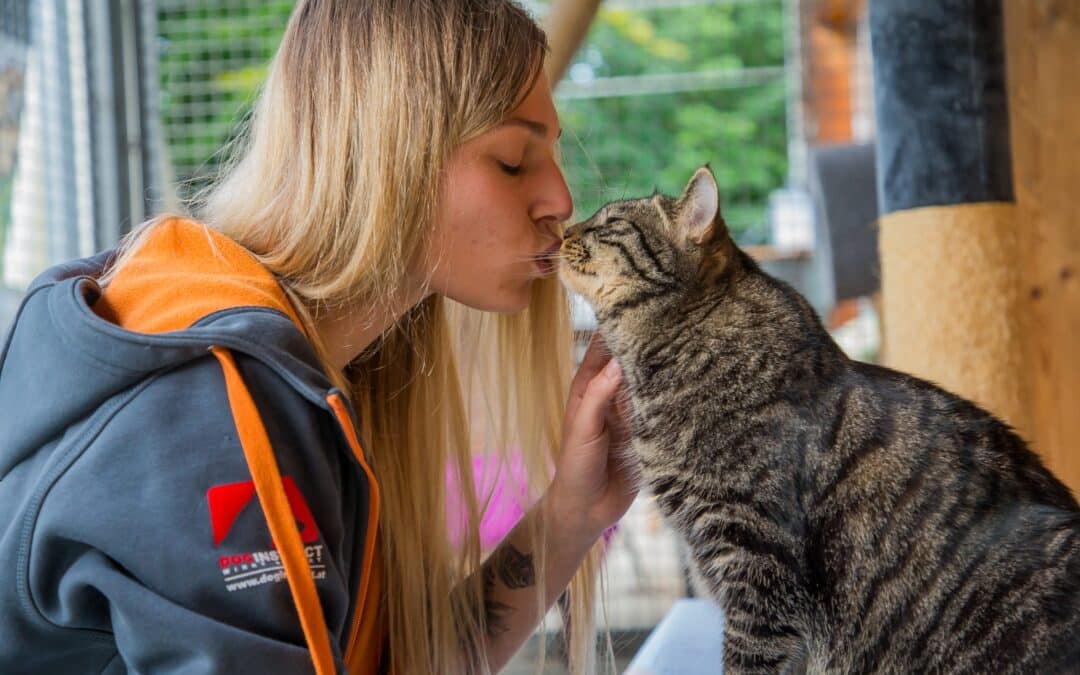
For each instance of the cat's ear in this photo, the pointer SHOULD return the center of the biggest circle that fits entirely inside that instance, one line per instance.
(697, 212)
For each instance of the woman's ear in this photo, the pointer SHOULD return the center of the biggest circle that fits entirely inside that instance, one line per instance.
(697, 211)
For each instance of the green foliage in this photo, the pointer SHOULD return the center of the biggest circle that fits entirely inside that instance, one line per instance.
(627, 146)
(214, 56)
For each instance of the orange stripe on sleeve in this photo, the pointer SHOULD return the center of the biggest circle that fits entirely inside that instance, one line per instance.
(275, 505)
(364, 652)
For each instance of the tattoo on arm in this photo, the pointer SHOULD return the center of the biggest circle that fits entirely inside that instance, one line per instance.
(515, 570)
(495, 612)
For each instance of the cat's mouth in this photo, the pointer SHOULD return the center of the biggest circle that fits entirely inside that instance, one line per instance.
(576, 268)
(574, 254)
(575, 257)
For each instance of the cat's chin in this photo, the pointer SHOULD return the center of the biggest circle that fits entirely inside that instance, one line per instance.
(581, 284)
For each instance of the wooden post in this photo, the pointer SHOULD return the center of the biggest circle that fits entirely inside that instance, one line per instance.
(951, 281)
(567, 24)
(829, 56)
(1041, 41)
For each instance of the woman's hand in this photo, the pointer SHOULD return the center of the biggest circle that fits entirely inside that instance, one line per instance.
(593, 485)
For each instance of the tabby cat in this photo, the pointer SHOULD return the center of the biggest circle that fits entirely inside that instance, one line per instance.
(848, 518)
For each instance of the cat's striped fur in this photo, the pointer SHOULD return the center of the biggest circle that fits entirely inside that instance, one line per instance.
(848, 518)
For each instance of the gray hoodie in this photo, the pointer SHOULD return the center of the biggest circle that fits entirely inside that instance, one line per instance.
(132, 538)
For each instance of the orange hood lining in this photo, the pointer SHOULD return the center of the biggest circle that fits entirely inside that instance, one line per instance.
(184, 271)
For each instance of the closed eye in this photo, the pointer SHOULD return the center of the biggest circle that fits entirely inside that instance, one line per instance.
(510, 169)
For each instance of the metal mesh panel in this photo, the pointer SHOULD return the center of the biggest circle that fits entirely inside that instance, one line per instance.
(45, 169)
(213, 55)
(661, 88)
(14, 45)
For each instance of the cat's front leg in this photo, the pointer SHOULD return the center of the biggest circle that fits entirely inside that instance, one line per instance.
(752, 646)
(760, 635)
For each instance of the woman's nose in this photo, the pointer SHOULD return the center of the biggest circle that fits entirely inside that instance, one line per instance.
(556, 203)
(564, 201)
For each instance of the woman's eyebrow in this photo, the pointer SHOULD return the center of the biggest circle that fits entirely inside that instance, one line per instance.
(537, 128)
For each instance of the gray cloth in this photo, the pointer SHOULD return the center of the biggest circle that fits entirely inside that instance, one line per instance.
(842, 186)
(110, 445)
(940, 102)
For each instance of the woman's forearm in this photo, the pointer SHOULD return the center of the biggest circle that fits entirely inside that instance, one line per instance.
(512, 606)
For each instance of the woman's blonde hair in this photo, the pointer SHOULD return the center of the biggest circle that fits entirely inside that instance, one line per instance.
(334, 188)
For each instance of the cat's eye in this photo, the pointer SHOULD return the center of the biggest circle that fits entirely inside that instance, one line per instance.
(510, 169)
(612, 219)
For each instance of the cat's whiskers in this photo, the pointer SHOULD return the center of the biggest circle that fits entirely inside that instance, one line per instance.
(548, 256)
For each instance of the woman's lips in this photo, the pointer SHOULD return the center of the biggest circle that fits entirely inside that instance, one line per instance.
(546, 261)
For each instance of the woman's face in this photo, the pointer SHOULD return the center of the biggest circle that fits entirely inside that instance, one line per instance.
(502, 201)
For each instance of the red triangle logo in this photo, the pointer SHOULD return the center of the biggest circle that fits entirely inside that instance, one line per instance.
(306, 522)
(226, 503)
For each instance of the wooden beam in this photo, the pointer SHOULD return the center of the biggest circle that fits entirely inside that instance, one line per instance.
(829, 31)
(841, 14)
(567, 24)
(1044, 95)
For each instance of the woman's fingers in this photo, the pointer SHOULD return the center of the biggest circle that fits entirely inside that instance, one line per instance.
(589, 421)
(596, 357)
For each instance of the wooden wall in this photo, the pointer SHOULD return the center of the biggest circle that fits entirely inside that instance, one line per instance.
(1043, 59)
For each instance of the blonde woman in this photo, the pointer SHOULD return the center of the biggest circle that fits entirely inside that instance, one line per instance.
(226, 447)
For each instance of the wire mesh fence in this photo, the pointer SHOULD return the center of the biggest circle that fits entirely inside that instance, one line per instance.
(662, 88)
(45, 170)
(14, 48)
(213, 55)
